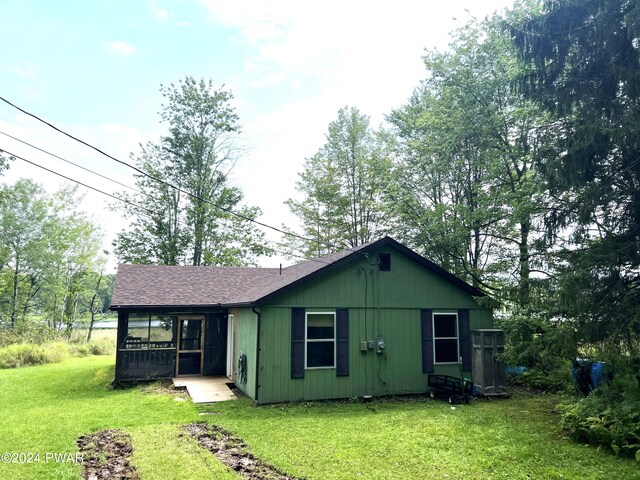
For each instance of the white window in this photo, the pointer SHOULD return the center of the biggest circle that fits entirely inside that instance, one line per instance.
(445, 337)
(320, 340)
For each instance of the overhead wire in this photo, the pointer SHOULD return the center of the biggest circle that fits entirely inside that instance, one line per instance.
(69, 162)
(174, 187)
(149, 212)
(160, 180)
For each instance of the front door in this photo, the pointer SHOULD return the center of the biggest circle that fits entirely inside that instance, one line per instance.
(215, 344)
(230, 343)
(190, 335)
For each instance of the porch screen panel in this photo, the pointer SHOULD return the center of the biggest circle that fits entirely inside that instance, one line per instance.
(163, 331)
(150, 331)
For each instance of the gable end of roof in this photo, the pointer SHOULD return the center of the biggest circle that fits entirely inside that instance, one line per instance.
(362, 249)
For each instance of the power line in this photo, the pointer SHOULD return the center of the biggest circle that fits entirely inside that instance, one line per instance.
(69, 162)
(13, 155)
(111, 180)
(157, 179)
(148, 211)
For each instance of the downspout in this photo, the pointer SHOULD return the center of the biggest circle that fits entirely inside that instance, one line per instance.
(253, 309)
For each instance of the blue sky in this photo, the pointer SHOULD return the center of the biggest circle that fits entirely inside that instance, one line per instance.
(94, 68)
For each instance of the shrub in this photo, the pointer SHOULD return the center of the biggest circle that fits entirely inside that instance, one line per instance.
(101, 347)
(28, 334)
(608, 416)
(80, 350)
(26, 354)
(558, 380)
(21, 355)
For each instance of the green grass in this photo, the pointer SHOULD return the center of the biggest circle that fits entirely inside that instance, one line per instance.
(45, 409)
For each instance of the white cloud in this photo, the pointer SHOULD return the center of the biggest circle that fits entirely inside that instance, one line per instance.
(119, 48)
(159, 12)
(269, 80)
(23, 72)
(367, 51)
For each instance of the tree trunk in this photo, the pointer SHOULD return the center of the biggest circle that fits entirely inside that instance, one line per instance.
(524, 287)
(14, 295)
(92, 305)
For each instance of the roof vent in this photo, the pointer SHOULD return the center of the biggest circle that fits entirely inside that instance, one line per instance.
(384, 262)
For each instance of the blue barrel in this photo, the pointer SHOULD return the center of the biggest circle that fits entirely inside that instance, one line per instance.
(598, 374)
(514, 371)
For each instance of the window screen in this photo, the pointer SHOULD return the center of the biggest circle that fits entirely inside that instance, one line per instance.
(320, 340)
(445, 337)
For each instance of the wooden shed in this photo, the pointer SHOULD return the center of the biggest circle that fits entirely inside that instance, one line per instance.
(373, 320)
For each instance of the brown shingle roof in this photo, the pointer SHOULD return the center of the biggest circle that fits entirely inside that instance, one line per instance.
(159, 285)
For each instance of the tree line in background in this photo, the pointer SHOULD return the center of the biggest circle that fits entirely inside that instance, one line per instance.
(50, 259)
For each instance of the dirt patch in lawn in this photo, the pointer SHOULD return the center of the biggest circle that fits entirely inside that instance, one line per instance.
(106, 455)
(232, 451)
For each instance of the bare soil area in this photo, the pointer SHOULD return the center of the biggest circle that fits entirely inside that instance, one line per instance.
(232, 451)
(106, 455)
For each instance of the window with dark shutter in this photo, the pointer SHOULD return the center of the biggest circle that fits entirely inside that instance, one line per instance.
(297, 342)
(427, 340)
(342, 342)
(321, 340)
(445, 337)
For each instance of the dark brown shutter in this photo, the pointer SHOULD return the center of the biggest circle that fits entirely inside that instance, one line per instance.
(297, 343)
(342, 342)
(464, 336)
(427, 341)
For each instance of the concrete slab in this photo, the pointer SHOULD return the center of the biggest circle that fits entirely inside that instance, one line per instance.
(205, 389)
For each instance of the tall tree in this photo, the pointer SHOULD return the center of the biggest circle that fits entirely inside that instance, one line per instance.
(467, 193)
(342, 187)
(583, 65)
(191, 224)
(73, 245)
(23, 215)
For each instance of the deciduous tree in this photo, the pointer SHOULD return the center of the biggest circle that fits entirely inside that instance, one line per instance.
(192, 223)
(343, 187)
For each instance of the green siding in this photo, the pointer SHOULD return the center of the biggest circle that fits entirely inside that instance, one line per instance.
(246, 338)
(407, 285)
(391, 309)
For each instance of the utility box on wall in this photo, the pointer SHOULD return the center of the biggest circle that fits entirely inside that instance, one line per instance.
(488, 372)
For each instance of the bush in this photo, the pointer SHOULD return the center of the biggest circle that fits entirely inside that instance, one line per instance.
(28, 334)
(80, 350)
(101, 347)
(608, 416)
(558, 380)
(21, 355)
(26, 354)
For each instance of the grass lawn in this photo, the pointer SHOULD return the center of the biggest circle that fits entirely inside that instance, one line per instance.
(44, 409)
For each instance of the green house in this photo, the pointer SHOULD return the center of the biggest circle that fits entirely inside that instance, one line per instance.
(372, 320)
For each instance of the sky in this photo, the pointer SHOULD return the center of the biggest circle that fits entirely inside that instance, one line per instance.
(94, 69)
